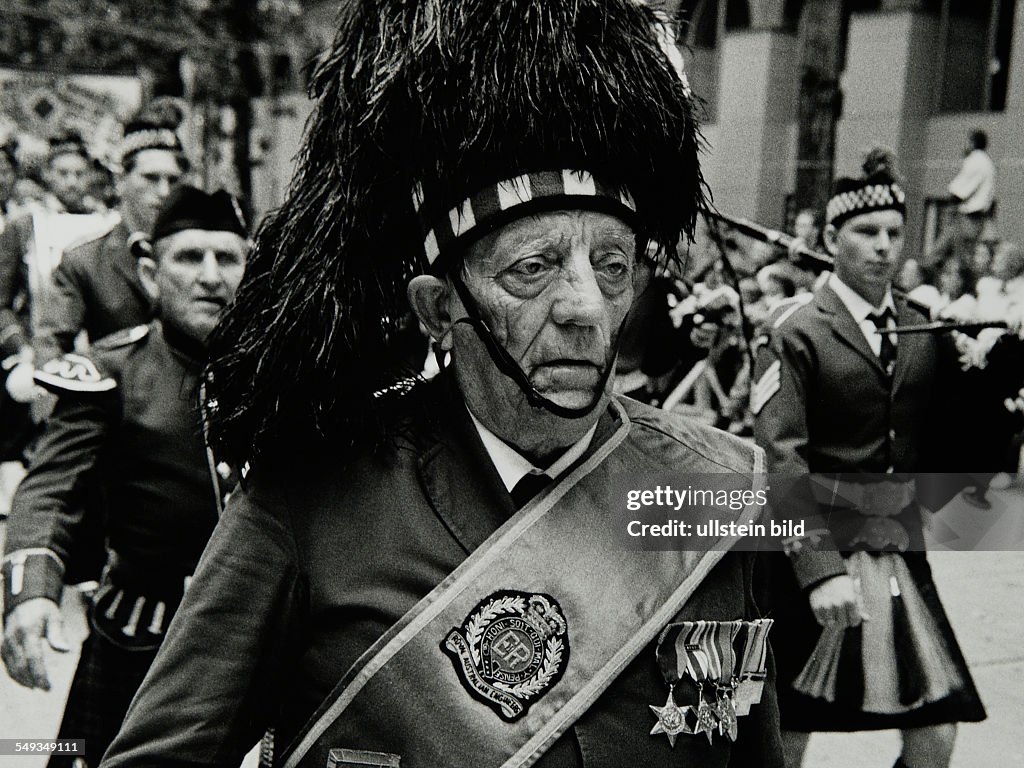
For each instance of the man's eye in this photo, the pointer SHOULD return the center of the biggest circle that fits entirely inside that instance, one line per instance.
(614, 268)
(190, 256)
(228, 258)
(530, 267)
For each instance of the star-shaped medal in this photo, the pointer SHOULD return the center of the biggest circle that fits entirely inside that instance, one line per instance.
(707, 721)
(671, 719)
(725, 712)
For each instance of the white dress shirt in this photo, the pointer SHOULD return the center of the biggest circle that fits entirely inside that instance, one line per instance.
(513, 466)
(861, 309)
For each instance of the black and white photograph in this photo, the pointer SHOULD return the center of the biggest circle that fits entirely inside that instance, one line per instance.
(508, 383)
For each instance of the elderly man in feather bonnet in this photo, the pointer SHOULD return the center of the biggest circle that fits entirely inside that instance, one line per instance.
(434, 573)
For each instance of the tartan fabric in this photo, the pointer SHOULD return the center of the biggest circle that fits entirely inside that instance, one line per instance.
(870, 197)
(105, 682)
(530, 192)
(149, 138)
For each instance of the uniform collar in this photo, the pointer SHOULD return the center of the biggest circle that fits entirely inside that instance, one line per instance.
(183, 345)
(513, 466)
(856, 304)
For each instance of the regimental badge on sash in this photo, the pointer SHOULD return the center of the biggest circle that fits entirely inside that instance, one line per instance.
(727, 660)
(510, 651)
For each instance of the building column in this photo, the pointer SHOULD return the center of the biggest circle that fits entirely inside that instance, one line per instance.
(752, 143)
(888, 92)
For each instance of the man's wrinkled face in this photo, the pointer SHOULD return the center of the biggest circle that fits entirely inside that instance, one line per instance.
(867, 249)
(194, 275)
(144, 187)
(554, 289)
(67, 175)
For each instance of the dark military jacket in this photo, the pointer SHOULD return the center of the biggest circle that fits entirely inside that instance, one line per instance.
(96, 288)
(14, 307)
(311, 564)
(824, 404)
(127, 421)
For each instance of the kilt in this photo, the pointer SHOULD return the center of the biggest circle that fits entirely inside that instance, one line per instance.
(105, 682)
(795, 636)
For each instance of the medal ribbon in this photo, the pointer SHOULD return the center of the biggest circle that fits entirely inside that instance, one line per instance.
(754, 657)
(707, 653)
(704, 650)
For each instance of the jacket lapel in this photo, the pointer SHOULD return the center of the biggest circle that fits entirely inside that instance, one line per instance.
(460, 480)
(122, 261)
(845, 327)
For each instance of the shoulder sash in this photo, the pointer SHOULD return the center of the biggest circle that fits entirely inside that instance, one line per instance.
(557, 575)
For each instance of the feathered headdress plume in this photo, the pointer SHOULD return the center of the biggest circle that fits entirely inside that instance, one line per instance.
(441, 97)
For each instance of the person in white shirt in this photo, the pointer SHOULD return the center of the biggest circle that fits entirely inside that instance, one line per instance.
(974, 186)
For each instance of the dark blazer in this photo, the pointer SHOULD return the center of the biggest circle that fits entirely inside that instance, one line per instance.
(14, 298)
(96, 289)
(835, 410)
(309, 566)
(127, 420)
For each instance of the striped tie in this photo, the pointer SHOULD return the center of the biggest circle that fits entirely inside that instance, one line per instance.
(887, 354)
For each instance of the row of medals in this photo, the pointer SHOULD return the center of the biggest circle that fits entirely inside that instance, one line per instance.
(707, 717)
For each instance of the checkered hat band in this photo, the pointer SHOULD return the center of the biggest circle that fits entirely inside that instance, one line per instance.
(492, 205)
(151, 138)
(873, 197)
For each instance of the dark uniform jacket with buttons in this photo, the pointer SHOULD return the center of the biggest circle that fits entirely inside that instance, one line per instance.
(311, 564)
(127, 421)
(824, 404)
(96, 288)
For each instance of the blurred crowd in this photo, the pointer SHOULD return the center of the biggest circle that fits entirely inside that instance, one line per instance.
(970, 278)
(68, 222)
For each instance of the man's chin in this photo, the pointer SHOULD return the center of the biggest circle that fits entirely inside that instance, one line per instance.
(575, 399)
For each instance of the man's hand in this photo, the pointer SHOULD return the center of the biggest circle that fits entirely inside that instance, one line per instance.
(1015, 404)
(21, 385)
(837, 603)
(25, 629)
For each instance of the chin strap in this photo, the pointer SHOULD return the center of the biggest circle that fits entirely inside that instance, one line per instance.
(508, 366)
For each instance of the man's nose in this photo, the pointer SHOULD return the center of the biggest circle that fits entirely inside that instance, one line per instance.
(883, 242)
(163, 187)
(580, 300)
(209, 270)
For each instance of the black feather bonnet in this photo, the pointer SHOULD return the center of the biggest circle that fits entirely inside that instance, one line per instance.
(419, 105)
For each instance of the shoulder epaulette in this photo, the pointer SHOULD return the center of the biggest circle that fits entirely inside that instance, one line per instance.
(123, 338)
(73, 373)
(787, 307)
(91, 237)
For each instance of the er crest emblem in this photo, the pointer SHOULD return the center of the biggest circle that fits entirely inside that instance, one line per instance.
(510, 651)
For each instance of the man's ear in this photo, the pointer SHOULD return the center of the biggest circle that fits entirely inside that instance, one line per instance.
(430, 298)
(147, 274)
(829, 237)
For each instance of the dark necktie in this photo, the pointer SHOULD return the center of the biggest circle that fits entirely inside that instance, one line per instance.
(887, 354)
(528, 486)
